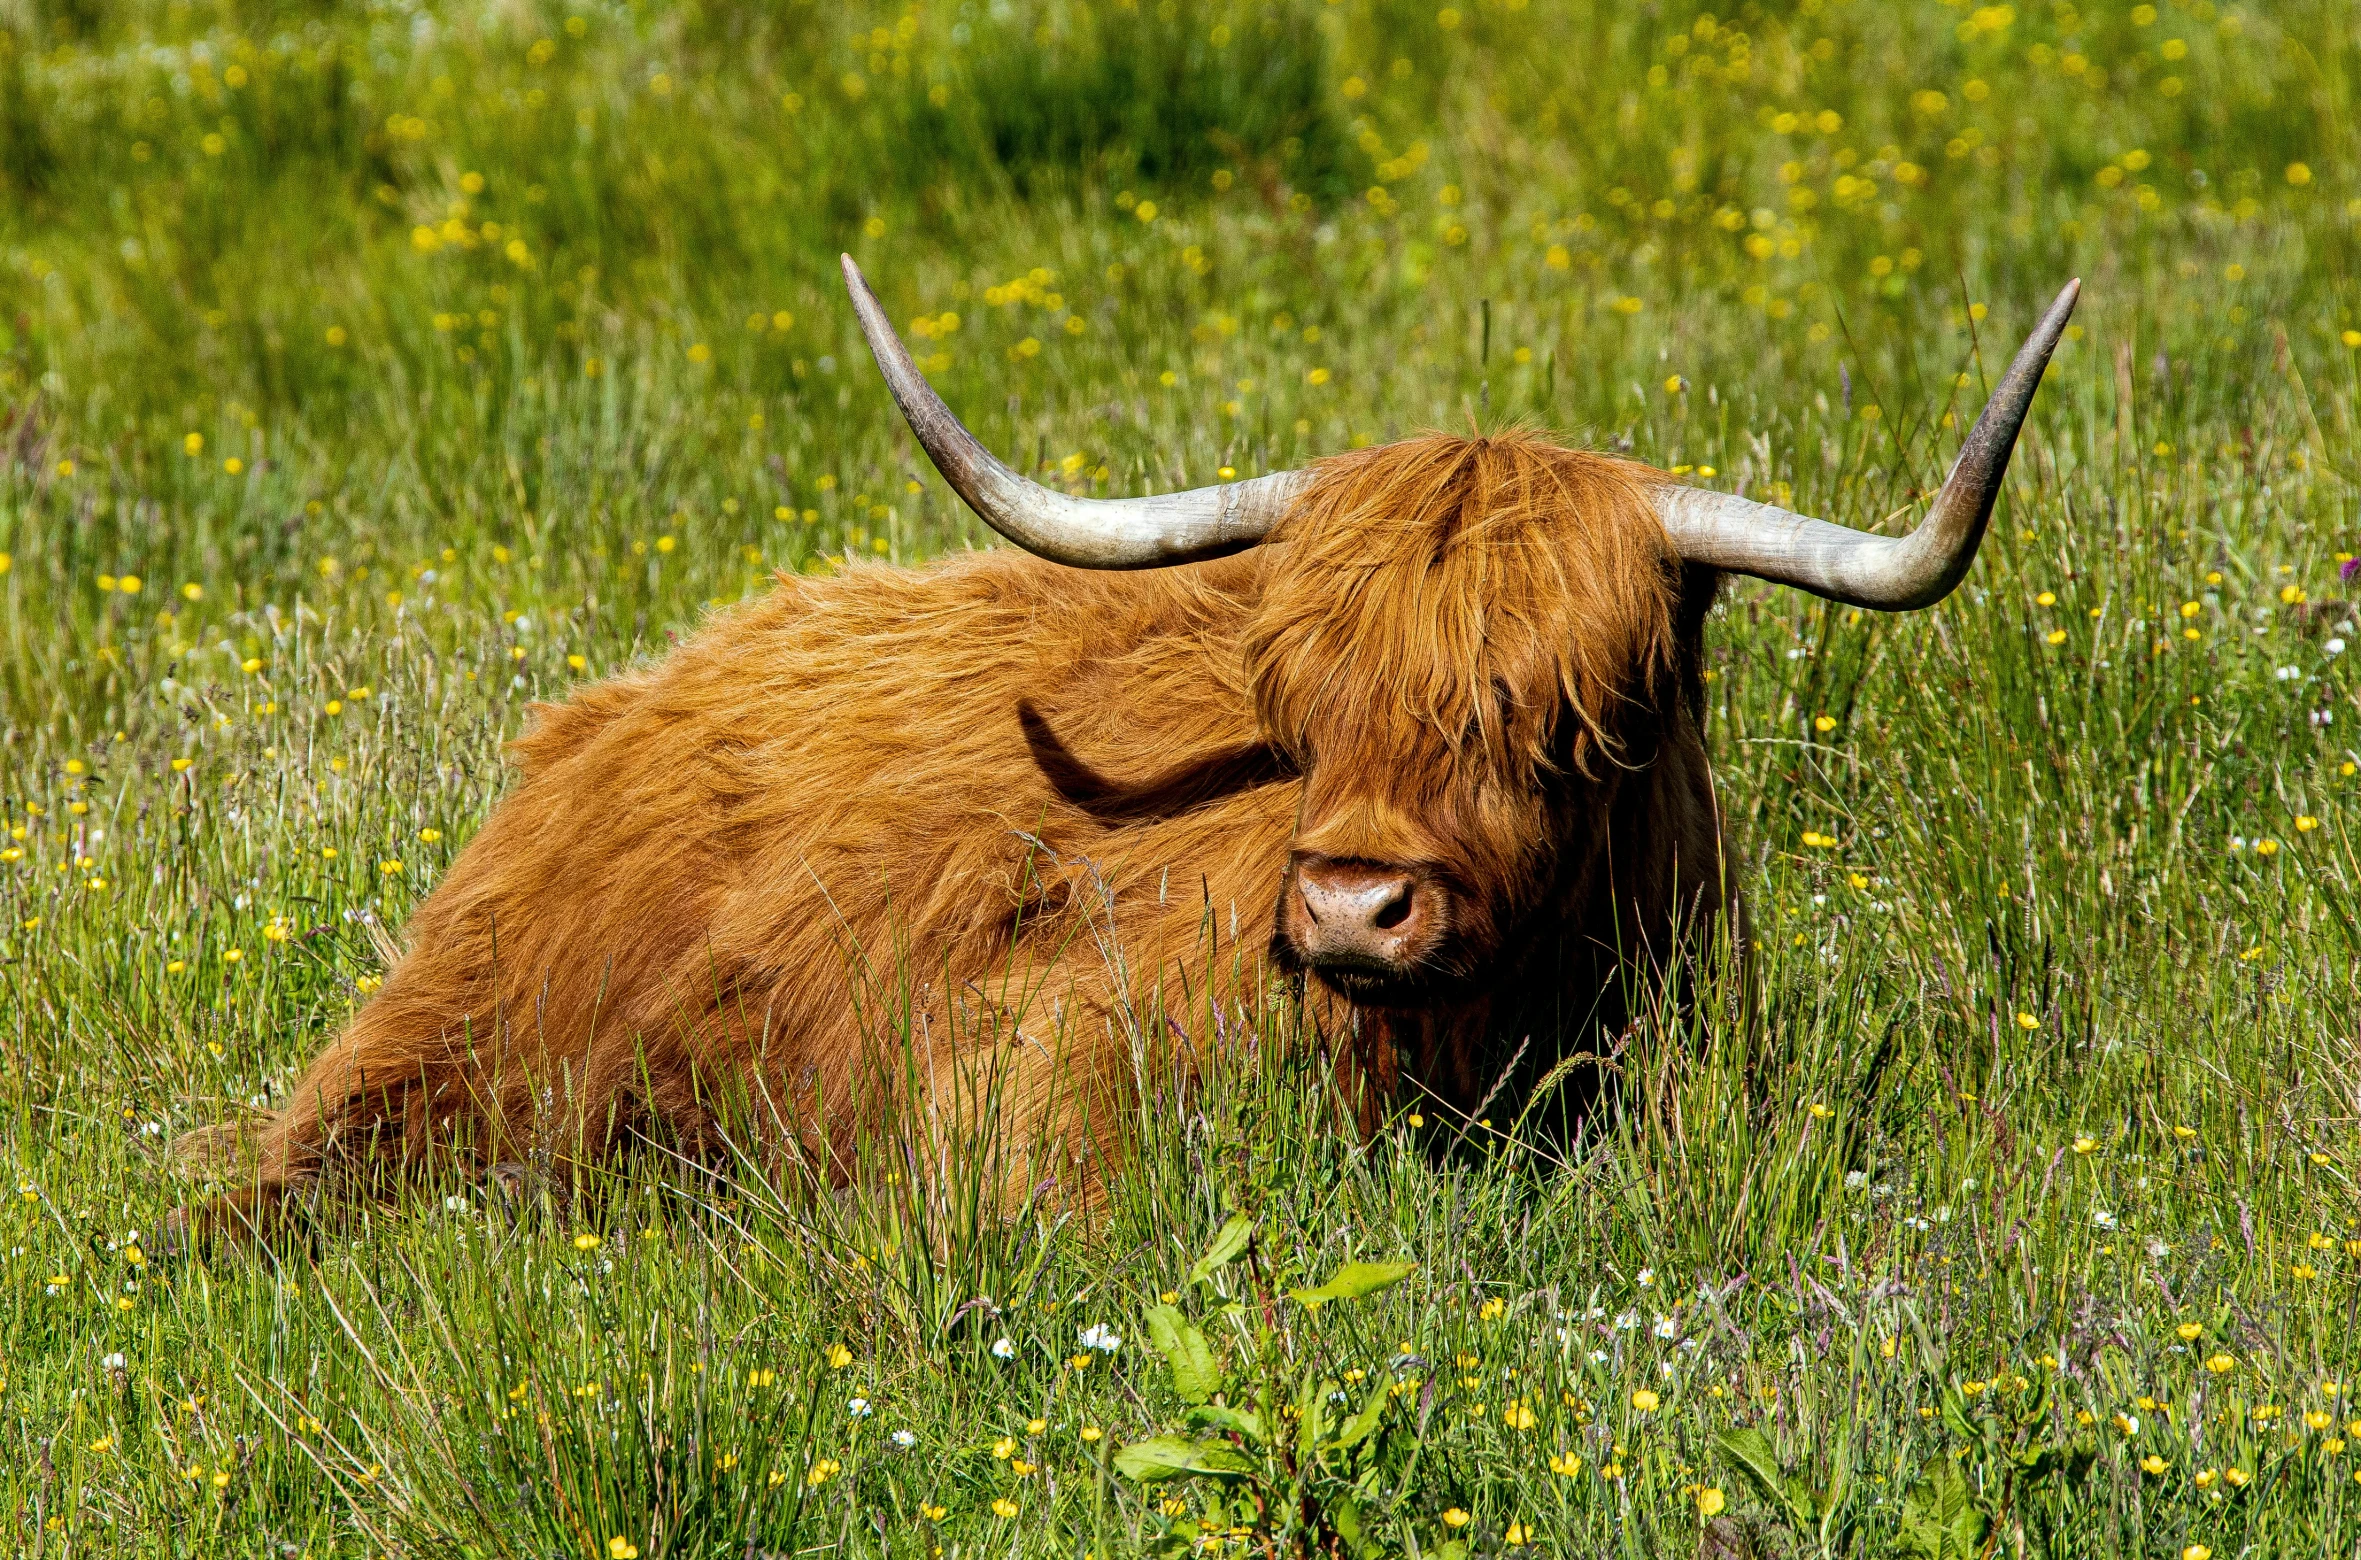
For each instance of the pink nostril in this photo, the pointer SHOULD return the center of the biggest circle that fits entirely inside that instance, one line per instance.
(1351, 902)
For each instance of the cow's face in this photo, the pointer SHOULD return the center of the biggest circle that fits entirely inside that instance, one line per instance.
(1455, 642)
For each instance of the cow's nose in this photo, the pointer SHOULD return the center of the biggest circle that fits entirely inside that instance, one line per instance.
(1359, 912)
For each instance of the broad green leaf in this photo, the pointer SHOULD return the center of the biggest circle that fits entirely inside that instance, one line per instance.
(1955, 1416)
(1355, 1280)
(1236, 1421)
(1344, 1515)
(1840, 1484)
(1751, 1451)
(1195, 1376)
(1227, 1244)
(1939, 1520)
(1178, 1457)
(1311, 1418)
(1364, 1424)
(1918, 1531)
(1964, 1522)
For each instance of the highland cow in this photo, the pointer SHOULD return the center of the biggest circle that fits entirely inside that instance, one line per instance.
(1416, 735)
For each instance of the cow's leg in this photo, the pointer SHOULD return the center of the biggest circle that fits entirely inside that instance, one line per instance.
(372, 1105)
(272, 1167)
(1050, 1088)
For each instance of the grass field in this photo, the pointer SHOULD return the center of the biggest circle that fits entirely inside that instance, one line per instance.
(367, 372)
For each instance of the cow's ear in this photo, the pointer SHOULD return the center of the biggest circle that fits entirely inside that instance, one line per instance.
(1694, 594)
(1699, 588)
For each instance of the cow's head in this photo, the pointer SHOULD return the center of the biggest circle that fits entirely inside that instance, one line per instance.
(1453, 638)
(1457, 643)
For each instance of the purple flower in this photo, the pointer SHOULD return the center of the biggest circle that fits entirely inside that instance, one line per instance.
(2347, 569)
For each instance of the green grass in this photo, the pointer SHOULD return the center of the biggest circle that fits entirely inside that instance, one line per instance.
(2054, 885)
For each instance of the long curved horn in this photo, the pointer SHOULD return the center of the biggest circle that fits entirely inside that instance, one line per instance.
(1891, 573)
(1089, 533)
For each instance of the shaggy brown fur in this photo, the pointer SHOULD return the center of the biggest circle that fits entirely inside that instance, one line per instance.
(1029, 799)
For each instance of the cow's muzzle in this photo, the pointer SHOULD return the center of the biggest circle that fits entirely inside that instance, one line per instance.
(1366, 928)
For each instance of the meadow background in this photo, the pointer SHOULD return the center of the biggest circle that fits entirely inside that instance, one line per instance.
(369, 371)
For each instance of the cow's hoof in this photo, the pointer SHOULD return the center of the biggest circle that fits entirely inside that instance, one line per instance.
(196, 1231)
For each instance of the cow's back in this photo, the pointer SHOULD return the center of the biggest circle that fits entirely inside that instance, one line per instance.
(943, 781)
